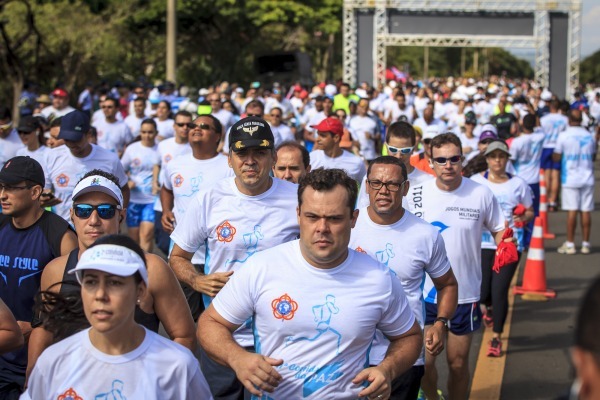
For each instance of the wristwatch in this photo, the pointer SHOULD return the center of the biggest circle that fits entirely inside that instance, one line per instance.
(444, 321)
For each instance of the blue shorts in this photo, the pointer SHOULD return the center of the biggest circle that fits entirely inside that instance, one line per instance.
(547, 162)
(138, 213)
(467, 317)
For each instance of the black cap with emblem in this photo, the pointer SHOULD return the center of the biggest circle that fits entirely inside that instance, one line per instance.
(251, 132)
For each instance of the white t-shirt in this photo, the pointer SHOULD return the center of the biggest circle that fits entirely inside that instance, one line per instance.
(314, 118)
(140, 161)
(408, 247)
(50, 112)
(395, 112)
(416, 178)
(235, 227)
(165, 128)
(282, 133)
(360, 127)
(113, 136)
(353, 165)
(157, 369)
(40, 155)
(553, 125)
(321, 322)
(460, 216)
(169, 149)
(9, 146)
(134, 124)
(65, 170)
(185, 176)
(226, 118)
(577, 146)
(509, 194)
(526, 155)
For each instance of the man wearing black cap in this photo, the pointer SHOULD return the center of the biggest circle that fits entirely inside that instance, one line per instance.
(66, 165)
(235, 218)
(29, 239)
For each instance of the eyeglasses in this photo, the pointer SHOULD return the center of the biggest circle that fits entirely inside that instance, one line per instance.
(105, 211)
(402, 150)
(254, 115)
(391, 186)
(6, 126)
(10, 188)
(24, 133)
(486, 141)
(443, 160)
(202, 126)
(185, 125)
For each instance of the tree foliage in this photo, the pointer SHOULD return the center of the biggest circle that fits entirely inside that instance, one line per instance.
(589, 69)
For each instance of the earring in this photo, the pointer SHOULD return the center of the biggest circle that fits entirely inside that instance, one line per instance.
(138, 301)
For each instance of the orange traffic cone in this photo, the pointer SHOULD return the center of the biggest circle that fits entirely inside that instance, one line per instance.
(534, 277)
(544, 207)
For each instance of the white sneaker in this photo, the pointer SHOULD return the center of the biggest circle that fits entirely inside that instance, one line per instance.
(585, 249)
(564, 249)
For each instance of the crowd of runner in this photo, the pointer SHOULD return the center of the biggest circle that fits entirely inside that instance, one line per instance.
(319, 241)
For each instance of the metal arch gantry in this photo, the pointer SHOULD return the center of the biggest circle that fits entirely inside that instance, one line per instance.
(539, 41)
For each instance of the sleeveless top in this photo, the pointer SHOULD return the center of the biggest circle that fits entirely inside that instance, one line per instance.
(150, 321)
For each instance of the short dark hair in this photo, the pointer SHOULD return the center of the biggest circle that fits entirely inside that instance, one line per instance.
(575, 116)
(149, 121)
(403, 130)
(166, 103)
(216, 123)
(183, 113)
(445, 138)
(388, 160)
(324, 180)
(529, 122)
(255, 103)
(588, 321)
(113, 100)
(142, 99)
(55, 122)
(5, 113)
(290, 144)
(102, 173)
(93, 132)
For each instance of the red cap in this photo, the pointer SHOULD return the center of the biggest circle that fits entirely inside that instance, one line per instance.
(330, 124)
(297, 88)
(59, 93)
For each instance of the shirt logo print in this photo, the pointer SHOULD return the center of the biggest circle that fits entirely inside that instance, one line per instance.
(225, 232)
(62, 180)
(360, 250)
(70, 394)
(284, 308)
(178, 180)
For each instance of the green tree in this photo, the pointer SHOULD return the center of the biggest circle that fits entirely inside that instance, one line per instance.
(589, 69)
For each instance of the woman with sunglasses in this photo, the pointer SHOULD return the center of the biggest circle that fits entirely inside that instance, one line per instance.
(141, 162)
(511, 191)
(98, 211)
(116, 357)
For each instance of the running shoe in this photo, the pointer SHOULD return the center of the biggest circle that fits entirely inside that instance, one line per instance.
(422, 395)
(564, 249)
(488, 321)
(495, 349)
(585, 249)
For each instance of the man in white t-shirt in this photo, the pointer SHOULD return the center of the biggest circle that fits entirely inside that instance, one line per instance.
(184, 177)
(575, 150)
(134, 120)
(400, 142)
(364, 130)
(113, 135)
(67, 164)
(397, 108)
(330, 155)
(460, 209)
(235, 218)
(281, 132)
(410, 247)
(315, 305)
(225, 117)
(553, 124)
(428, 121)
(10, 142)
(60, 105)
(293, 162)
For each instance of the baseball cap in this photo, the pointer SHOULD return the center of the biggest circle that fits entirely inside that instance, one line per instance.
(251, 132)
(488, 131)
(59, 93)
(431, 131)
(497, 145)
(470, 118)
(98, 183)
(74, 125)
(28, 124)
(22, 168)
(330, 124)
(44, 99)
(112, 259)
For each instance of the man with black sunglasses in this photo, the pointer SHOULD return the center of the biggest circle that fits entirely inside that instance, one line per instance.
(460, 209)
(30, 238)
(410, 247)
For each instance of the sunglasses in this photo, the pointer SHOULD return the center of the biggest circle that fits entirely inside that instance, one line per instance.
(10, 189)
(441, 161)
(105, 211)
(24, 133)
(202, 126)
(402, 150)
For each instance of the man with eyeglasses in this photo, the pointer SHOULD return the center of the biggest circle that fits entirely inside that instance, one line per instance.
(30, 237)
(184, 177)
(113, 135)
(235, 218)
(10, 142)
(410, 247)
(68, 163)
(400, 142)
(281, 132)
(330, 155)
(460, 209)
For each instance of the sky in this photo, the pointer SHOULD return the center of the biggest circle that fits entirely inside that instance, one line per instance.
(590, 27)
